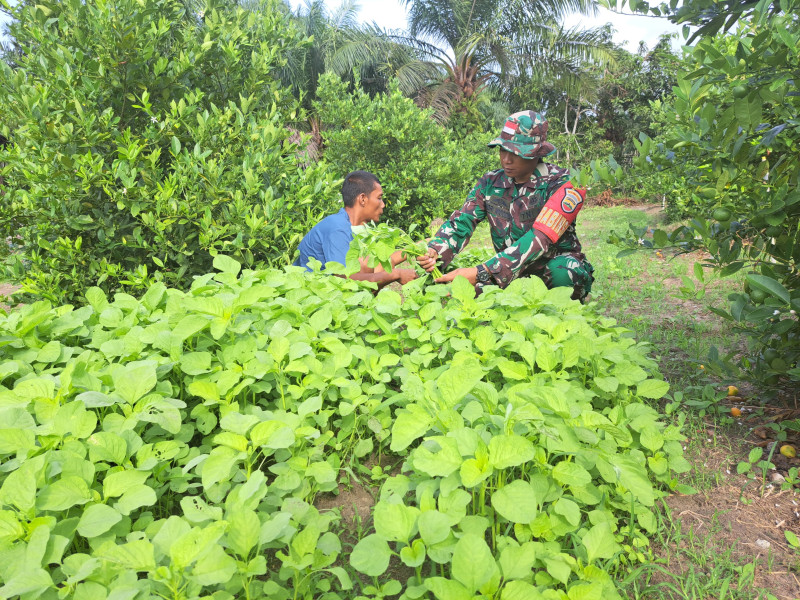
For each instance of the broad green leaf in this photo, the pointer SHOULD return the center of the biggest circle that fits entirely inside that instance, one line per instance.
(652, 388)
(599, 542)
(770, 286)
(462, 289)
(558, 567)
(439, 463)
(792, 538)
(520, 590)
(586, 591)
(195, 363)
(190, 546)
(205, 389)
(473, 471)
(570, 473)
(63, 494)
(274, 527)
(413, 555)
(410, 424)
(434, 526)
(473, 564)
(371, 556)
(97, 519)
(118, 482)
(214, 567)
(137, 555)
(272, 434)
(458, 380)
(516, 562)
(516, 502)
(136, 497)
(651, 438)
(546, 358)
(509, 451)
(107, 446)
(133, 380)
(10, 527)
(226, 264)
(19, 489)
(305, 541)
(395, 522)
(446, 589)
(196, 510)
(567, 509)
(218, 466)
(30, 581)
(607, 384)
(633, 476)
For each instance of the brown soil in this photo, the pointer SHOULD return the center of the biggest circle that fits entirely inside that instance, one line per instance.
(606, 198)
(5, 290)
(749, 525)
(353, 501)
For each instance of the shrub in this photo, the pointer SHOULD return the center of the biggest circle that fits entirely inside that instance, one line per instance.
(146, 139)
(424, 172)
(733, 140)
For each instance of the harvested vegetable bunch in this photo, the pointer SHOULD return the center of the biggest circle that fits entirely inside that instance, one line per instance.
(377, 243)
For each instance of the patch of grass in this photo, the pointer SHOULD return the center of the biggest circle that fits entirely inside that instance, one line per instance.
(695, 565)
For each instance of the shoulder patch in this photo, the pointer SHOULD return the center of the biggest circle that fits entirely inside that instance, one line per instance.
(571, 200)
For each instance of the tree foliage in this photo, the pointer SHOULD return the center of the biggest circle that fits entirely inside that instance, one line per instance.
(147, 138)
(734, 136)
(424, 172)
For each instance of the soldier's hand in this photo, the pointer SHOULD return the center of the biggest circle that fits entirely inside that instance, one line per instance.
(428, 261)
(405, 275)
(471, 273)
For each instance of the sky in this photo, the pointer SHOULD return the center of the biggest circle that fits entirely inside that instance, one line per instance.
(630, 29)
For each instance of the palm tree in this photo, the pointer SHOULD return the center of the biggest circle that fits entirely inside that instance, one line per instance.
(456, 50)
(502, 42)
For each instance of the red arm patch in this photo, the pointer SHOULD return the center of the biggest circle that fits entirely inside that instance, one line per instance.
(559, 211)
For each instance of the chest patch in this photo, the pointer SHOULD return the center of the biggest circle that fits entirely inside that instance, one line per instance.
(496, 207)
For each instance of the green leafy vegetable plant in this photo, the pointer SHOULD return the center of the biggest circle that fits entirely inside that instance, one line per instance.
(176, 444)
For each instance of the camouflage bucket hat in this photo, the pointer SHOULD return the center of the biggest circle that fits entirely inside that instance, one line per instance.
(525, 134)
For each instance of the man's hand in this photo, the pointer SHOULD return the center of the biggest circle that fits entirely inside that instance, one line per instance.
(405, 275)
(428, 261)
(471, 273)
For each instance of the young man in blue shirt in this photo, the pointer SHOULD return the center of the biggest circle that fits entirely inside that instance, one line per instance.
(329, 240)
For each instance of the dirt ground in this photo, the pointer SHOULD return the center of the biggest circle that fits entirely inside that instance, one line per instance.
(5, 290)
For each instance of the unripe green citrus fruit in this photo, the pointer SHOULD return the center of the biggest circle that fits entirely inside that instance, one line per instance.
(722, 214)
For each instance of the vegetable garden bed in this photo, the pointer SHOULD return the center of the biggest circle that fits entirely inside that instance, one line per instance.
(175, 445)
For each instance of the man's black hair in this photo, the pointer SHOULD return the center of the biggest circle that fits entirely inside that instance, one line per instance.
(356, 183)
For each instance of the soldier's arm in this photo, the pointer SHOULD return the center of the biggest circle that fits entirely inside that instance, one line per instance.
(455, 233)
(556, 216)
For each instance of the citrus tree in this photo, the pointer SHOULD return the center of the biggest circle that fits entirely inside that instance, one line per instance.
(145, 139)
(424, 171)
(734, 136)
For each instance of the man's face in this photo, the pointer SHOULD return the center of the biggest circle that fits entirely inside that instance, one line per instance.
(373, 204)
(518, 168)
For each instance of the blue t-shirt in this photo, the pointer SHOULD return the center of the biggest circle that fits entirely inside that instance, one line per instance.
(328, 240)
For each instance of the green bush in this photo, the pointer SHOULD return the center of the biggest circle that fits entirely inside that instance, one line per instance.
(173, 445)
(425, 173)
(732, 137)
(146, 139)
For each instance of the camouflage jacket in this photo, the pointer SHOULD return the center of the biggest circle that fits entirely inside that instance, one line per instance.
(511, 210)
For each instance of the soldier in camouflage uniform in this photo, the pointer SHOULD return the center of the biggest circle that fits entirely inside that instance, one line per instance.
(531, 207)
